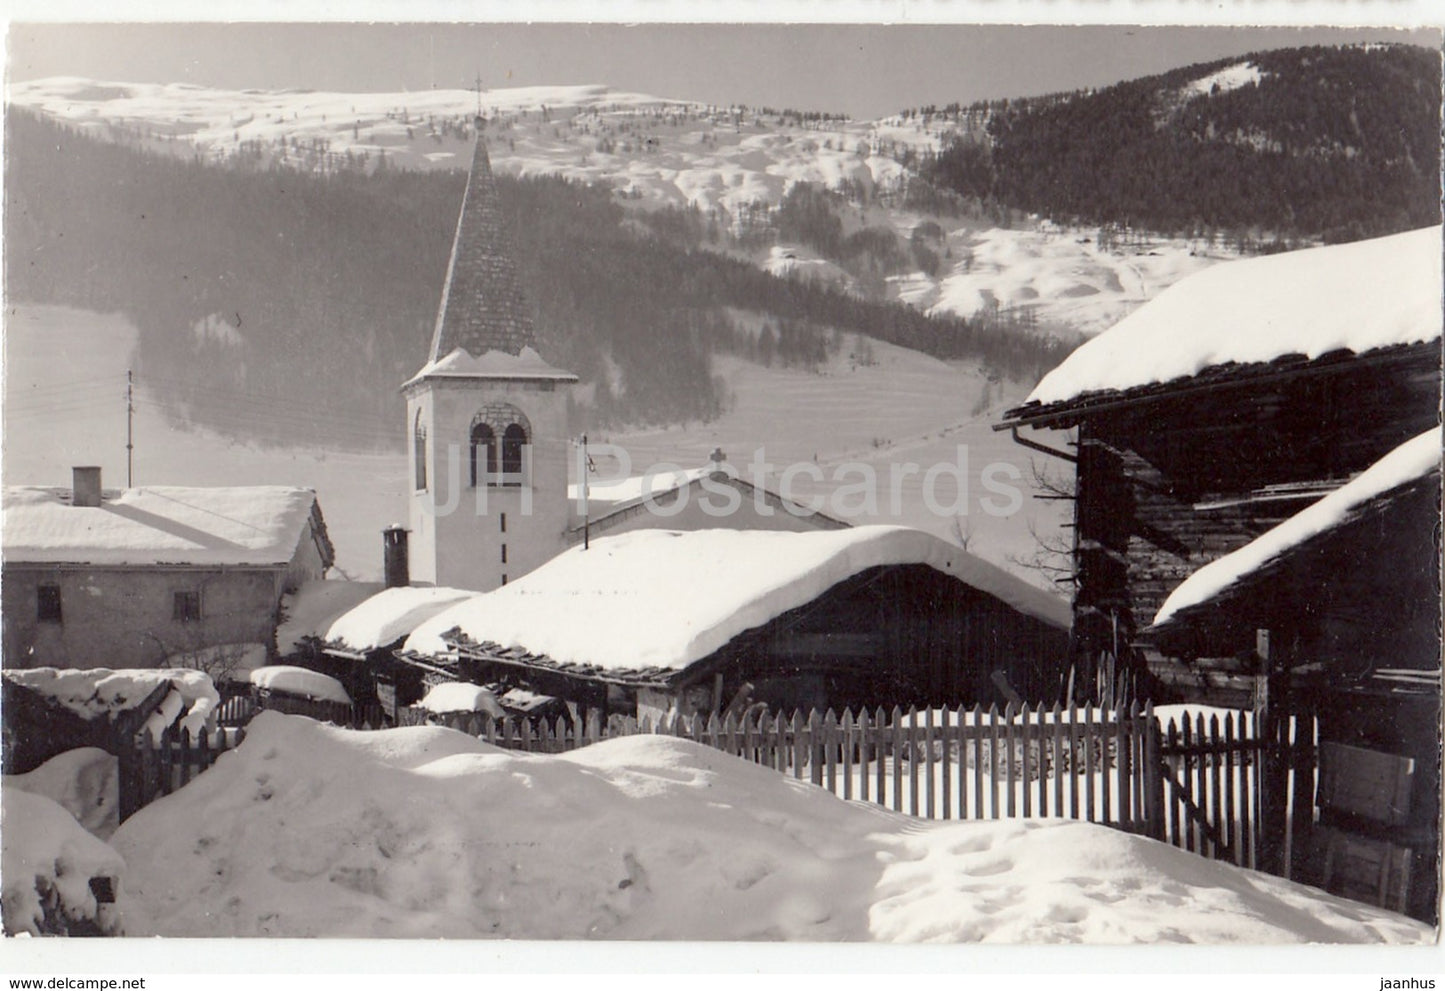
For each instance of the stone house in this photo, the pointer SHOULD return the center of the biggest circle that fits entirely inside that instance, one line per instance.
(135, 577)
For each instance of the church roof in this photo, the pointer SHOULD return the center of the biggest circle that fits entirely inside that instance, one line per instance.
(482, 308)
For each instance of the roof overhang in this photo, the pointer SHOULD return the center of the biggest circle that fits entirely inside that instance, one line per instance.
(1218, 378)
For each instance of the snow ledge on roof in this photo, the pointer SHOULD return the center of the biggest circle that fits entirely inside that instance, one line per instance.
(1413, 459)
(494, 364)
(390, 615)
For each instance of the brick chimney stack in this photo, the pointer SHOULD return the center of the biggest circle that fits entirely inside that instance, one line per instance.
(85, 486)
(396, 570)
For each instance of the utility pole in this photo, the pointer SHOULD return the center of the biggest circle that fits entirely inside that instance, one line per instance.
(129, 428)
(586, 522)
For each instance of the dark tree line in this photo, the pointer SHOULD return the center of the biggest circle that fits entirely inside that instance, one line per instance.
(1338, 143)
(330, 284)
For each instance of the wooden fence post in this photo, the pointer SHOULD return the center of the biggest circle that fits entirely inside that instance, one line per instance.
(1302, 806)
(1153, 775)
(129, 780)
(1274, 770)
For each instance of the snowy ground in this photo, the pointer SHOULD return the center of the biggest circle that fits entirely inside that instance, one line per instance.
(895, 408)
(424, 832)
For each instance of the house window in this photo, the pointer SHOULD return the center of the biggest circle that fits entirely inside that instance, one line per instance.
(504, 522)
(504, 553)
(419, 452)
(484, 452)
(47, 604)
(186, 607)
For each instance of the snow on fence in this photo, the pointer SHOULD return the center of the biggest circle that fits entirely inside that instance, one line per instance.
(154, 767)
(1223, 787)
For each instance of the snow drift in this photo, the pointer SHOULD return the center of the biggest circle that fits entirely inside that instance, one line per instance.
(311, 830)
(47, 863)
(84, 781)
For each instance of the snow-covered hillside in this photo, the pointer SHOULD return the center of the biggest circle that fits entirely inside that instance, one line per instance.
(726, 161)
(309, 830)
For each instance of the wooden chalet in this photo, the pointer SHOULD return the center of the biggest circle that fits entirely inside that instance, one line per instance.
(661, 622)
(1217, 411)
(1342, 603)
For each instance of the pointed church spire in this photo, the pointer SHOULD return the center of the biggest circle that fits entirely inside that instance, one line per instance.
(482, 308)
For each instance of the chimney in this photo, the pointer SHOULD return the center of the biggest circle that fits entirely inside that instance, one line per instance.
(394, 566)
(85, 485)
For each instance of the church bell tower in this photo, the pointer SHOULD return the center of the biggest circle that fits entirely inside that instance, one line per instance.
(486, 417)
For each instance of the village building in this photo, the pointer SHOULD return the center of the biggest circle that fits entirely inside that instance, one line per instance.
(488, 434)
(1217, 411)
(154, 576)
(1344, 599)
(689, 499)
(357, 647)
(659, 622)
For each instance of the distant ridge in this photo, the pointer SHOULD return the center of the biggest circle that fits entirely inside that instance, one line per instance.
(1336, 143)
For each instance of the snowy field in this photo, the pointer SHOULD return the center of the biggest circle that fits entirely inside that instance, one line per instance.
(904, 408)
(1062, 275)
(65, 405)
(424, 832)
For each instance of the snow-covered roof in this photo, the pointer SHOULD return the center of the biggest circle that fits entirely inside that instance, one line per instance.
(459, 696)
(300, 681)
(1357, 297)
(664, 599)
(390, 615)
(102, 693)
(238, 525)
(608, 495)
(1412, 460)
(314, 606)
(491, 364)
(613, 502)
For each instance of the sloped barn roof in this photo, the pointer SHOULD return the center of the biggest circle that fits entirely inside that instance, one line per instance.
(1342, 299)
(662, 599)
